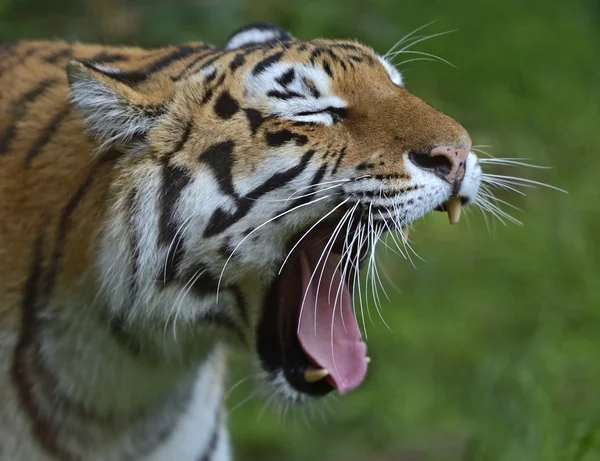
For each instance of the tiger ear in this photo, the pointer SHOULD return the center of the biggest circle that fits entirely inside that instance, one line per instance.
(257, 33)
(118, 107)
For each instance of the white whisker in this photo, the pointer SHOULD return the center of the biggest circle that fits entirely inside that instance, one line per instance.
(308, 231)
(312, 202)
(515, 180)
(406, 37)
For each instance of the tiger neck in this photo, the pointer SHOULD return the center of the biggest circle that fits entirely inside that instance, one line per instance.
(71, 366)
(82, 359)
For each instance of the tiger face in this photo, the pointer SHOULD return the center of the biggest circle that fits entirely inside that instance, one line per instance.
(255, 181)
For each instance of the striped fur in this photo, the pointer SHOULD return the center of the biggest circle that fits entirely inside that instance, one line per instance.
(128, 177)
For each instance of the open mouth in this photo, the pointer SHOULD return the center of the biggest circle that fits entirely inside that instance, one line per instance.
(308, 329)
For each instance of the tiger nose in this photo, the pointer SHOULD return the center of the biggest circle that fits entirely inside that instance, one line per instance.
(447, 162)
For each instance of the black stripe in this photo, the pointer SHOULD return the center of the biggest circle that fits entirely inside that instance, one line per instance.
(238, 61)
(285, 95)
(339, 160)
(286, 78)
(202, 282)
(65, 222)
(30, 296)
(209, 92)
(279, 180)
(221, 220)
(212, 443)
(267, 62)
(57, 56)
(44, 434)
(388, 176)
(196, 60)
(18, 111)
(47, 133)
(279, 138)
(334, 56)
(318, 51)
(388, 194)
(177, 55)
(317, 178)
(223, 321)
(136, 77)
(347, 47)
(254, 118)
(174, 180)
(327, 69)
(134, 245)
(107, 58)
(226, 107)
(365, 166)
(220, 160)
(337, 114)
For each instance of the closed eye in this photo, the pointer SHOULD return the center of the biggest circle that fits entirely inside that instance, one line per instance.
(336, 114)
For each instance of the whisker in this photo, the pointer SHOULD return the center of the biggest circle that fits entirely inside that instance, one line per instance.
(516, 180)
(308, 231)
(511, 162)
(493, 197)
(428, 37)
(357, 278)
(413, 60)
(422, 53)
(236, 385)
(501, 185)
(243, 402)
(406, 37)
(312, 202)
(179, 230)
(481, 151)
(326, 250)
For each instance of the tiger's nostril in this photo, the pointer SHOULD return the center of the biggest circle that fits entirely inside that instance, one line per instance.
(439, 164)
(447, 162)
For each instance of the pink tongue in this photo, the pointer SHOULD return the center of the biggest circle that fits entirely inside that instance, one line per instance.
(328, 330)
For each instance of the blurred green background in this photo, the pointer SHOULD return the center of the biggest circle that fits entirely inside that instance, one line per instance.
(494, 348)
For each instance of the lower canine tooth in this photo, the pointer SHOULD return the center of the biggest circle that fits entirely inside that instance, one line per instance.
(453, 207)
(312, 375)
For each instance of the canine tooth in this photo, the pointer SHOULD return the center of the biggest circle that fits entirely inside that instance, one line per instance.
(453, 207)
(312, 375)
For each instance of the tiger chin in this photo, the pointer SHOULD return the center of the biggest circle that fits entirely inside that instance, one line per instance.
(158, 204)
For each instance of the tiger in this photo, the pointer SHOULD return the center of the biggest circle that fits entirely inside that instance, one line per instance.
(159, 206)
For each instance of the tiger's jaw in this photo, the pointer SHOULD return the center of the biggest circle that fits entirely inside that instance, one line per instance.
(308, 340)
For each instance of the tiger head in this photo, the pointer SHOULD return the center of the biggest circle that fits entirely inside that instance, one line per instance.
(255, 179)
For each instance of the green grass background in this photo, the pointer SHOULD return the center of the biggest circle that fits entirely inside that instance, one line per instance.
(494, 348)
